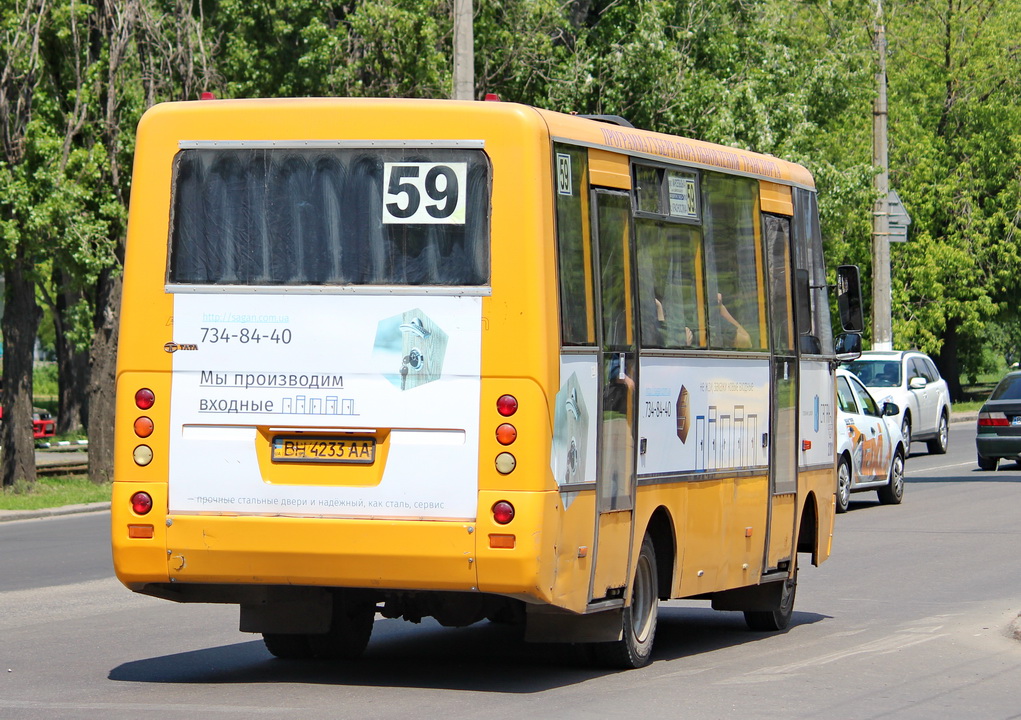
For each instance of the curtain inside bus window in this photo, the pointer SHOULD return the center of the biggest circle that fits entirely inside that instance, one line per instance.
(809, 258)
(733, 268)
(289, 216)
(669, 272)
(574, 247)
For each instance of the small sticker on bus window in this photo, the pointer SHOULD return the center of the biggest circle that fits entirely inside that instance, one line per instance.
(565, 185)
(422, 193)
(681, 189)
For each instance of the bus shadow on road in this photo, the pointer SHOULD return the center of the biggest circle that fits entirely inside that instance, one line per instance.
(485, 657)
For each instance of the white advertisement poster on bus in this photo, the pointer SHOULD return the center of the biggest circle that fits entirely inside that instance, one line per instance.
(702, 415)
(325, 405)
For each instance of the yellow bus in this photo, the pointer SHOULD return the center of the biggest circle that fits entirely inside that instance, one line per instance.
(468, 360)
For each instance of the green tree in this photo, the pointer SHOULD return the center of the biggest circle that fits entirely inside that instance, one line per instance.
(20, 30)
(955, 98)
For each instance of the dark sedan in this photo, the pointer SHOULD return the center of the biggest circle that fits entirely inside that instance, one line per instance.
(999, 424)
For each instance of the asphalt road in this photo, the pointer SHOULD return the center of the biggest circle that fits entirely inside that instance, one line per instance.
(910, 618)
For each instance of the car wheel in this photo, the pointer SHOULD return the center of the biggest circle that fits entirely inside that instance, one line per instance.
(905, 430)
(893, 492)
(843, 485)
(939, 445)
(985, 463)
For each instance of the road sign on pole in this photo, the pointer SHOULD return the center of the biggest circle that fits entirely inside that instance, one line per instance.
(898, 219)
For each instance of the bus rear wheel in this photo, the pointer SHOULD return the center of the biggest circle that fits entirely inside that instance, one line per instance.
(634, 648)
(350, 629)
(778, 618)
(288, 647)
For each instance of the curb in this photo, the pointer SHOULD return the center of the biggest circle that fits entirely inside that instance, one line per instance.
(8, 515)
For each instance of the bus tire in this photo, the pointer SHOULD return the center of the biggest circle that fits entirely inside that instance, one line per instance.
(349, 631)
(780, 617)
(634, 648)
(288, 647)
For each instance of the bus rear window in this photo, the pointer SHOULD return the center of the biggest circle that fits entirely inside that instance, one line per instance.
(330, 216)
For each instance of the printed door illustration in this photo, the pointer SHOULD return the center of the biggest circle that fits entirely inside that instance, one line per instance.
(409, 349)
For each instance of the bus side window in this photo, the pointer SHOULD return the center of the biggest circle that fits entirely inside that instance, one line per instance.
(813, 321)
(574, 243)
(734, 264)
(672, 298)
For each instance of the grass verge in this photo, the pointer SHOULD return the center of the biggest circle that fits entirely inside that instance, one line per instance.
(49, 492)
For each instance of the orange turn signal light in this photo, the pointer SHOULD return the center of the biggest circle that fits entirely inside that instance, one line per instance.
(506, 434)
(502, 541)
(143, 427)
(140, 531)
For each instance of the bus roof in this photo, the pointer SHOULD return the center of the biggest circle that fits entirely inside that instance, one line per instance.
(674, 148)
(564, 127)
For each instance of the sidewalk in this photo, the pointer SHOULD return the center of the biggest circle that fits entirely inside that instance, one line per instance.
(7, 515)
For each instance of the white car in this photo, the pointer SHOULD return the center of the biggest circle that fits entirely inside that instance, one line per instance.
(911, 380)
(870, 448)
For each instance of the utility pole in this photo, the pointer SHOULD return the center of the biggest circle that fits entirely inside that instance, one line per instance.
(464, 51)
(882, 323)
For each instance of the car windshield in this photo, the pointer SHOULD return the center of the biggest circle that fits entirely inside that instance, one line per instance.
(1008, 389)
(877, 373)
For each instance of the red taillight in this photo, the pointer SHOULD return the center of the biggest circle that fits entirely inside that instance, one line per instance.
(506, 434)
(141, 503)
(507, 405)
(992, 419)
(503, 512)
(145, 399)
(143, 427)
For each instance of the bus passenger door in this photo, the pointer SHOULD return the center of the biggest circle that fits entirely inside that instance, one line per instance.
(783, 391)
(617, 412)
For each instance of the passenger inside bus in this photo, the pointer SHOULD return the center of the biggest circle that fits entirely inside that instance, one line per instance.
(739, 336)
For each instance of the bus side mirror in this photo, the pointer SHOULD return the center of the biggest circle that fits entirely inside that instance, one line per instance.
(847, 347)
(849, 299)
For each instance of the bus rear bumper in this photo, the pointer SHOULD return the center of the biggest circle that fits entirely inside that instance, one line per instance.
(321, 552)
(374, 554)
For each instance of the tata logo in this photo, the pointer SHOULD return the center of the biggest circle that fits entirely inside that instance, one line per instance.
(172, 347)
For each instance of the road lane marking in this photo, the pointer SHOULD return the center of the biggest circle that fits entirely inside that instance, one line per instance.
(940, 467)
(882, 646)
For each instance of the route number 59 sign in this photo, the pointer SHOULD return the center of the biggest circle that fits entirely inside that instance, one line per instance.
(422, 193)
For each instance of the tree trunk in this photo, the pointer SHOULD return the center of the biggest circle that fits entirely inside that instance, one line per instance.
(948, 363)
(103, 377)
(20, 324)
(72, 364)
